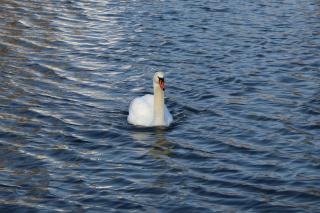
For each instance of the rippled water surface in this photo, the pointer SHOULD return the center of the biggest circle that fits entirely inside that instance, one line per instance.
(243, 86)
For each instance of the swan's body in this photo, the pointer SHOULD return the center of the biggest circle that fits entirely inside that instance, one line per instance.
(150, 110)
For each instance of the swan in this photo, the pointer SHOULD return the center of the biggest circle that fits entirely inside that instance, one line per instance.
(150, 110)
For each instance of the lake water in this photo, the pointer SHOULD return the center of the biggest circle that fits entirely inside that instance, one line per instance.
(243, 86)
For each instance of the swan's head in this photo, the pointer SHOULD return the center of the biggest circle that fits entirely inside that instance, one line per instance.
(158, 78)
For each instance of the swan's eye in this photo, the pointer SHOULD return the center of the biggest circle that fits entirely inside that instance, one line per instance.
(161, 79)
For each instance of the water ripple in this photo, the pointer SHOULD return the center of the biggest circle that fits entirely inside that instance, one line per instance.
(242, 85)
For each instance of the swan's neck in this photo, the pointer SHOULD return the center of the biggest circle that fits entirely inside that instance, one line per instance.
(158, 113)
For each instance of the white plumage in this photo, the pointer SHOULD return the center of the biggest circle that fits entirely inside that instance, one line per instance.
(144, 112)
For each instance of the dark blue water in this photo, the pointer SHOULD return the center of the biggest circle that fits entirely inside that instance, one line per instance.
(243, 86)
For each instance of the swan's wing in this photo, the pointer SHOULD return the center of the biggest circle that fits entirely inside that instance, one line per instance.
(167, 116)
(149, 99)
(141, 111)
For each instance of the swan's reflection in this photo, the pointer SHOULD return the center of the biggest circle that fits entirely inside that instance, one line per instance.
(160, 147)
(160, 151)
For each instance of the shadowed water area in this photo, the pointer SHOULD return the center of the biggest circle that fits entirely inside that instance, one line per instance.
(243, 87)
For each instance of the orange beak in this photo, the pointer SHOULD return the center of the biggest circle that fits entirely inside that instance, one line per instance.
(161, 83)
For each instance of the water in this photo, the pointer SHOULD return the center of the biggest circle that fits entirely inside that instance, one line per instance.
(243, 87)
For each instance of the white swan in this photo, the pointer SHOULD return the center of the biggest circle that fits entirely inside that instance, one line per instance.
(150, 110)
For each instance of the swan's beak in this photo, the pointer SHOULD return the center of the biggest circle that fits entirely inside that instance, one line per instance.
(161, 83)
